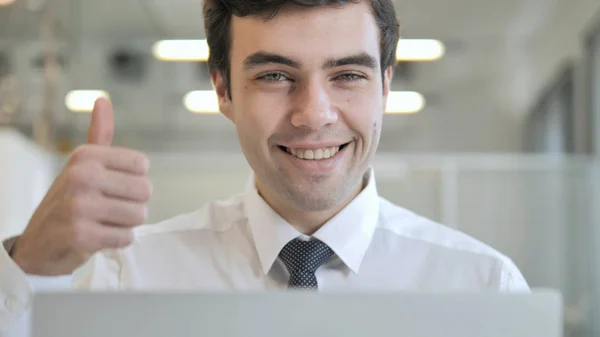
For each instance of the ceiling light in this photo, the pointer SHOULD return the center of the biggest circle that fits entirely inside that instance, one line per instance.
(198, 51)
(404, 102)
(419, 50)
(83, 100)
(6, 2)
(202, 102)
(399, 102)
(181, 50)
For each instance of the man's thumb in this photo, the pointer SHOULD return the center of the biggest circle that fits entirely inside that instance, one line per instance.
(102, 126)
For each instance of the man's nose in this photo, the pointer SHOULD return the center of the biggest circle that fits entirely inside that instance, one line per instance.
(313, 108)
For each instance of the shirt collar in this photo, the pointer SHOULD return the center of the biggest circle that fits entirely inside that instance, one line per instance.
(348, 233)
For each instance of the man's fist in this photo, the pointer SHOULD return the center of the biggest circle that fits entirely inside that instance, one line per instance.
(94, 204)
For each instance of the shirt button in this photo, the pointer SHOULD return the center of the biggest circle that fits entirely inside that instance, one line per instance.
(12, 304)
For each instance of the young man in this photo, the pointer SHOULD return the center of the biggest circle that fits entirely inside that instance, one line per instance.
(305, 82)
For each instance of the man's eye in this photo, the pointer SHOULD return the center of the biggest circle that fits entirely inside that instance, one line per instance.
(274, 77)
(351, 77)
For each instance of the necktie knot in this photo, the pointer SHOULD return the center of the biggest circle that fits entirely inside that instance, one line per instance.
(300, 255)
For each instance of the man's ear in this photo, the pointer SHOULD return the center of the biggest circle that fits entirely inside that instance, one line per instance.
(220, 84)
(387, 83)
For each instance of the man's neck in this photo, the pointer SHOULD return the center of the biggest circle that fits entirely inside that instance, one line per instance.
(309, 223)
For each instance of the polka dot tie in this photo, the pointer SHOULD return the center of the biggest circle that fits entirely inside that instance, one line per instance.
(302, 259)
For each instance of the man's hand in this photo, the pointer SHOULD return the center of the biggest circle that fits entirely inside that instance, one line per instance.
(95, 202)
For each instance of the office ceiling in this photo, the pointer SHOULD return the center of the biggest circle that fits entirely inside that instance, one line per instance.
(477, 85)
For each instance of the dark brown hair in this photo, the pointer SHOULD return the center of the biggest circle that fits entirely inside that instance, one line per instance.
(218, 14)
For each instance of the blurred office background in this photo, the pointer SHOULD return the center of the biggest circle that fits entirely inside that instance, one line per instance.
(497, 134)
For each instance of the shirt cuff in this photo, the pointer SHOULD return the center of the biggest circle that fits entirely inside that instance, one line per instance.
(15, 290)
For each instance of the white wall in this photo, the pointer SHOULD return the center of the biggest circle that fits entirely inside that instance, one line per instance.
(26, 173)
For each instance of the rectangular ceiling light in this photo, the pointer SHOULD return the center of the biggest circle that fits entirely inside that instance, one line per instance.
(197, 50)
(419, 50)
(83, 100)
(399, 102)
(404, 102)
(181, 50)
(202, 102)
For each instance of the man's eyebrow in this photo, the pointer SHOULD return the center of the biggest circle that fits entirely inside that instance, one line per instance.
(362, 59)
(262, 58)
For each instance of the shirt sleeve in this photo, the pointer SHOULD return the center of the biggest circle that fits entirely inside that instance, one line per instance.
(9, 243)
(17, 289)
(15, 292)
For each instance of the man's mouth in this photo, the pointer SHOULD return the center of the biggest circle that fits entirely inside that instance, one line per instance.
(314, 154)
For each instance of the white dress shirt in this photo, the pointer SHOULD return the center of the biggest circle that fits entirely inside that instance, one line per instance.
(233, 245)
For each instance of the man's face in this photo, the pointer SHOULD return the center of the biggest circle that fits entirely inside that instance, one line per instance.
(307, 101)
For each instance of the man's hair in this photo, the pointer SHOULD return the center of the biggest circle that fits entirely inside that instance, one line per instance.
(218, 14)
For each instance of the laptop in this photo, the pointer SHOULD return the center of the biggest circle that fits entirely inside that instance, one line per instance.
(296, 314)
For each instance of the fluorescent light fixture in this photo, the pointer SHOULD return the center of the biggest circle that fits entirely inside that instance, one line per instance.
(404, 102)
(202, 102)
(399, 102)
(198, 51)
(181, 50)
(419, 50)
(83, 100)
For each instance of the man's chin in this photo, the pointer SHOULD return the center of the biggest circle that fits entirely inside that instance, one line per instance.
(314, 205)
(316, 197)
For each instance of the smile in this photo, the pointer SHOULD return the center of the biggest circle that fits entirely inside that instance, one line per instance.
(314, 154)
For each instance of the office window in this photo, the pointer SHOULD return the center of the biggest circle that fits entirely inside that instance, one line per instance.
(550, 122)
(593, 57)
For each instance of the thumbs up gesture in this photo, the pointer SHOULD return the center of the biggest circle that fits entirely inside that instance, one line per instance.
(94, 204)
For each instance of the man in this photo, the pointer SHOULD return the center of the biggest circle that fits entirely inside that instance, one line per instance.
(305, 82)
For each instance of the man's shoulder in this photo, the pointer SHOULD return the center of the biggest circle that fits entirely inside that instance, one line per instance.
(217, 215)
(422, 230)
(452, 246)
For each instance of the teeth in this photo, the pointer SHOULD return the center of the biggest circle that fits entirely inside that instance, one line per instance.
(317, 154)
